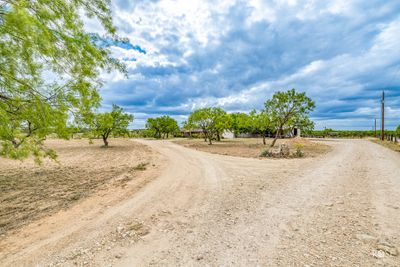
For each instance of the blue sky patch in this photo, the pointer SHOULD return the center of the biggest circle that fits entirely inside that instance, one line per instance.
(236, 54)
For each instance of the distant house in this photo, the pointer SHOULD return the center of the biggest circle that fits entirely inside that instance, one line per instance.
(189, 133)
(228, 134)
(296, 132)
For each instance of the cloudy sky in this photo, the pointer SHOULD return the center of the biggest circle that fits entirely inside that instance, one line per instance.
(235, 54)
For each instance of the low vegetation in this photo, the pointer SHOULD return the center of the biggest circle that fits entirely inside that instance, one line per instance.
(140, 167)
(391, 145)
(254, 148)
(331, 133)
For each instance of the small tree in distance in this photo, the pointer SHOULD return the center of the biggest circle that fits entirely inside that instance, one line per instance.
(239, 123)
(187, 125)
(162, 127)
(116, 122)
(222, 122)
(261, 122)
(285, 108)
(201, 118)
(212, 121)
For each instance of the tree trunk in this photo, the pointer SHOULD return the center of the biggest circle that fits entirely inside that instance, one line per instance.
(274, 141)
(276, 136)
(209, 141)
(264, 139)
(218, 137)
(205, 136)
(105, 141)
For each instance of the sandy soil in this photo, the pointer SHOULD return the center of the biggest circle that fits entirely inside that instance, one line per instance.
(29, 191)
(339, 209)
(252, 147)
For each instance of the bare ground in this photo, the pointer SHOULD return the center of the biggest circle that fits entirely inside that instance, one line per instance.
(29, 191)
(252, 147)
(215, 210)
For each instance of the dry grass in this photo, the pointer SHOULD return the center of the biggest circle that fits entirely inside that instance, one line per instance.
(29, 192)
(390, 145)
(252, 147)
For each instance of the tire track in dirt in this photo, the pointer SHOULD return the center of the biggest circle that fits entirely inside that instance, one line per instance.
(341, 229)
(207, 209)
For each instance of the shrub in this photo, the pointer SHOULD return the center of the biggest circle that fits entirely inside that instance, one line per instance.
(299, 152)
(266, 153)
(140, 167)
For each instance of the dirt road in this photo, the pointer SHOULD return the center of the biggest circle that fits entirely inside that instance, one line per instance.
(204, 209)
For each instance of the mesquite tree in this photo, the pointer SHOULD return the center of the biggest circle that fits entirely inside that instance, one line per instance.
(115, 122)
(49, 68)
(285, 108)
(239, 123)
(261, 122)
(162, 127)
(212, 121)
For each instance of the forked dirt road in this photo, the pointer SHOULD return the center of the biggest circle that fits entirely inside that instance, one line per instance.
(214, 210)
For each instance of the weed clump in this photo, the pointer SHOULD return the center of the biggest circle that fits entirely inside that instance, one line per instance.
(140, 167)
(283, 151)
(299, 151)
(266, 154)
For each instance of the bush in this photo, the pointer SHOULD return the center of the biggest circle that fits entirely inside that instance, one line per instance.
(140, 167)
(266, 154)
(283, 152)
(299, 152)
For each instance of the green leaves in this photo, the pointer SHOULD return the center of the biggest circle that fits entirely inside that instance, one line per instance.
(283, 112)
(260, 121)
(289, 109)
(49, 69)
(239, 123)
(213, 121)
(285, 106)
(161, 127)
(115, 122)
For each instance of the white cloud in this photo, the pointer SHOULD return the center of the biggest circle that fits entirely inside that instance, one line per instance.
(235, 54)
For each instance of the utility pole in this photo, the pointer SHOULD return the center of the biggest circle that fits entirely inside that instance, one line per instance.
(383, 116)
(375, 127)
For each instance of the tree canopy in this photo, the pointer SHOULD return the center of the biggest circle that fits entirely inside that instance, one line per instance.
(162, 127)
(285, 109)
(49, 69)
(260, 122)
(212, 121)
(221, 120)
(239, 123)
(115, 122)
